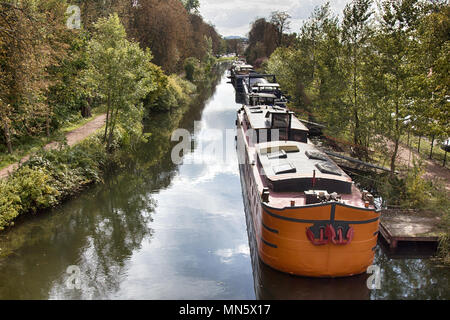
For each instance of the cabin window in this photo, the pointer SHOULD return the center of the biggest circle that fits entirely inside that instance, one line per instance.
(281, 120)
(300, 136)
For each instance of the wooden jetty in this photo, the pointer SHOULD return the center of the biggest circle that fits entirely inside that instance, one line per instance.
(398, 225)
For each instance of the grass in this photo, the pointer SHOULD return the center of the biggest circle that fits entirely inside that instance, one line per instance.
(33, 144)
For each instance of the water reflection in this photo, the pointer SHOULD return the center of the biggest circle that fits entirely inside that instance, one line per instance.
(154, 231)
(157, 230)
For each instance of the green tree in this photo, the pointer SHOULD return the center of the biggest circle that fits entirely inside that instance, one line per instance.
(356, 33)
(391, 68)
(192, 6)
(120, 72)
(430, 85)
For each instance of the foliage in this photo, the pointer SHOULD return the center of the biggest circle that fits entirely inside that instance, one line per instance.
(31, 41)
(174, 91)
(173, 30)
(415, 192)
(263, 38)
(48, 177)
(192, 67)
(121, 74)
(192, 6)
(371, 78)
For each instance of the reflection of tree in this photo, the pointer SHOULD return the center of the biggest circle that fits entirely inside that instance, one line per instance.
(411, 278)
(100, 230)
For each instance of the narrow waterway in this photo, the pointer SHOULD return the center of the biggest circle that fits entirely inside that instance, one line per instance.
(158, 230)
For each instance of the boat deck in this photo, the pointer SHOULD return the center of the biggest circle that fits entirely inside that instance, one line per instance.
(283, 199)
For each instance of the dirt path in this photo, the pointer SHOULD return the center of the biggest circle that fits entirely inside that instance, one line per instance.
(73, 137)
(433, 169)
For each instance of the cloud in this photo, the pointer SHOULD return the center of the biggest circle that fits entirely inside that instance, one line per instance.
(233, 17)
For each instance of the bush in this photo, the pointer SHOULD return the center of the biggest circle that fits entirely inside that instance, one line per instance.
(50, 176)
(27, 190)
(192, 67)
(175, 92)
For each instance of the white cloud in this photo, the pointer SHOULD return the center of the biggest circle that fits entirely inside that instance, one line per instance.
(233, 17)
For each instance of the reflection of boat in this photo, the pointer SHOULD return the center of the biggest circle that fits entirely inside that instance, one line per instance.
(309, 218)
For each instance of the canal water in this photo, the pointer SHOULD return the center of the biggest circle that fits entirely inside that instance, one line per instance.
(160, 230)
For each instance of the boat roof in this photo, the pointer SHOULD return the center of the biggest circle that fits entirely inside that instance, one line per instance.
(245, 66)
(263, 95)
(257, 116)
(273, 85)
(296, 161)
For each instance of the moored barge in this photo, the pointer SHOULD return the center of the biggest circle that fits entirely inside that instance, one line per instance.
(308, 216)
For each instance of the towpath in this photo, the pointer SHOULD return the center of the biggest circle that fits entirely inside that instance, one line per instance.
(73, 137)
(433, 168)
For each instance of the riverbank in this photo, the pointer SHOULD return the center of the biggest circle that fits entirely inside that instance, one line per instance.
(56, 173)
(421, 185)
(71, 137)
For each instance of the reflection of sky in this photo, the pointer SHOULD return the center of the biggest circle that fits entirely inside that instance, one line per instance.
(200, 246)
(233, 17)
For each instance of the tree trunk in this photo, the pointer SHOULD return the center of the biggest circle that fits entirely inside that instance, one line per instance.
(47, 125)
(418, 146)
(112, 128)
(86, 111)
(7, 135)
(397, 137)
(431, 149)
(394, 155)
(107, 117)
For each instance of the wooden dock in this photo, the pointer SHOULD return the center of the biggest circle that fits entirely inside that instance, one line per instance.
(409, 226)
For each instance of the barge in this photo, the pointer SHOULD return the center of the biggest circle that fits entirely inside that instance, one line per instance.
(308, 216)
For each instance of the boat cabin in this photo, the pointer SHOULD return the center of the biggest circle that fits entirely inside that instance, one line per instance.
(271, 123)
(256, 99)
(266, 88)
(291, 166)
(243, 69)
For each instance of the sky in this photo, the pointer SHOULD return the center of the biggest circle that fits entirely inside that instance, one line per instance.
(233, 17)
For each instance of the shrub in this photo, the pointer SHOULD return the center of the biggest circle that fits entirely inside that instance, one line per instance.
(192, 67)
(27, 190)
(50, 176)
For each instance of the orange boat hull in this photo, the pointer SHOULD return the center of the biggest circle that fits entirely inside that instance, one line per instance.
(283, 243)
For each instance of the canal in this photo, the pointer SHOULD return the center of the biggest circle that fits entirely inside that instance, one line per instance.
(160, 230)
